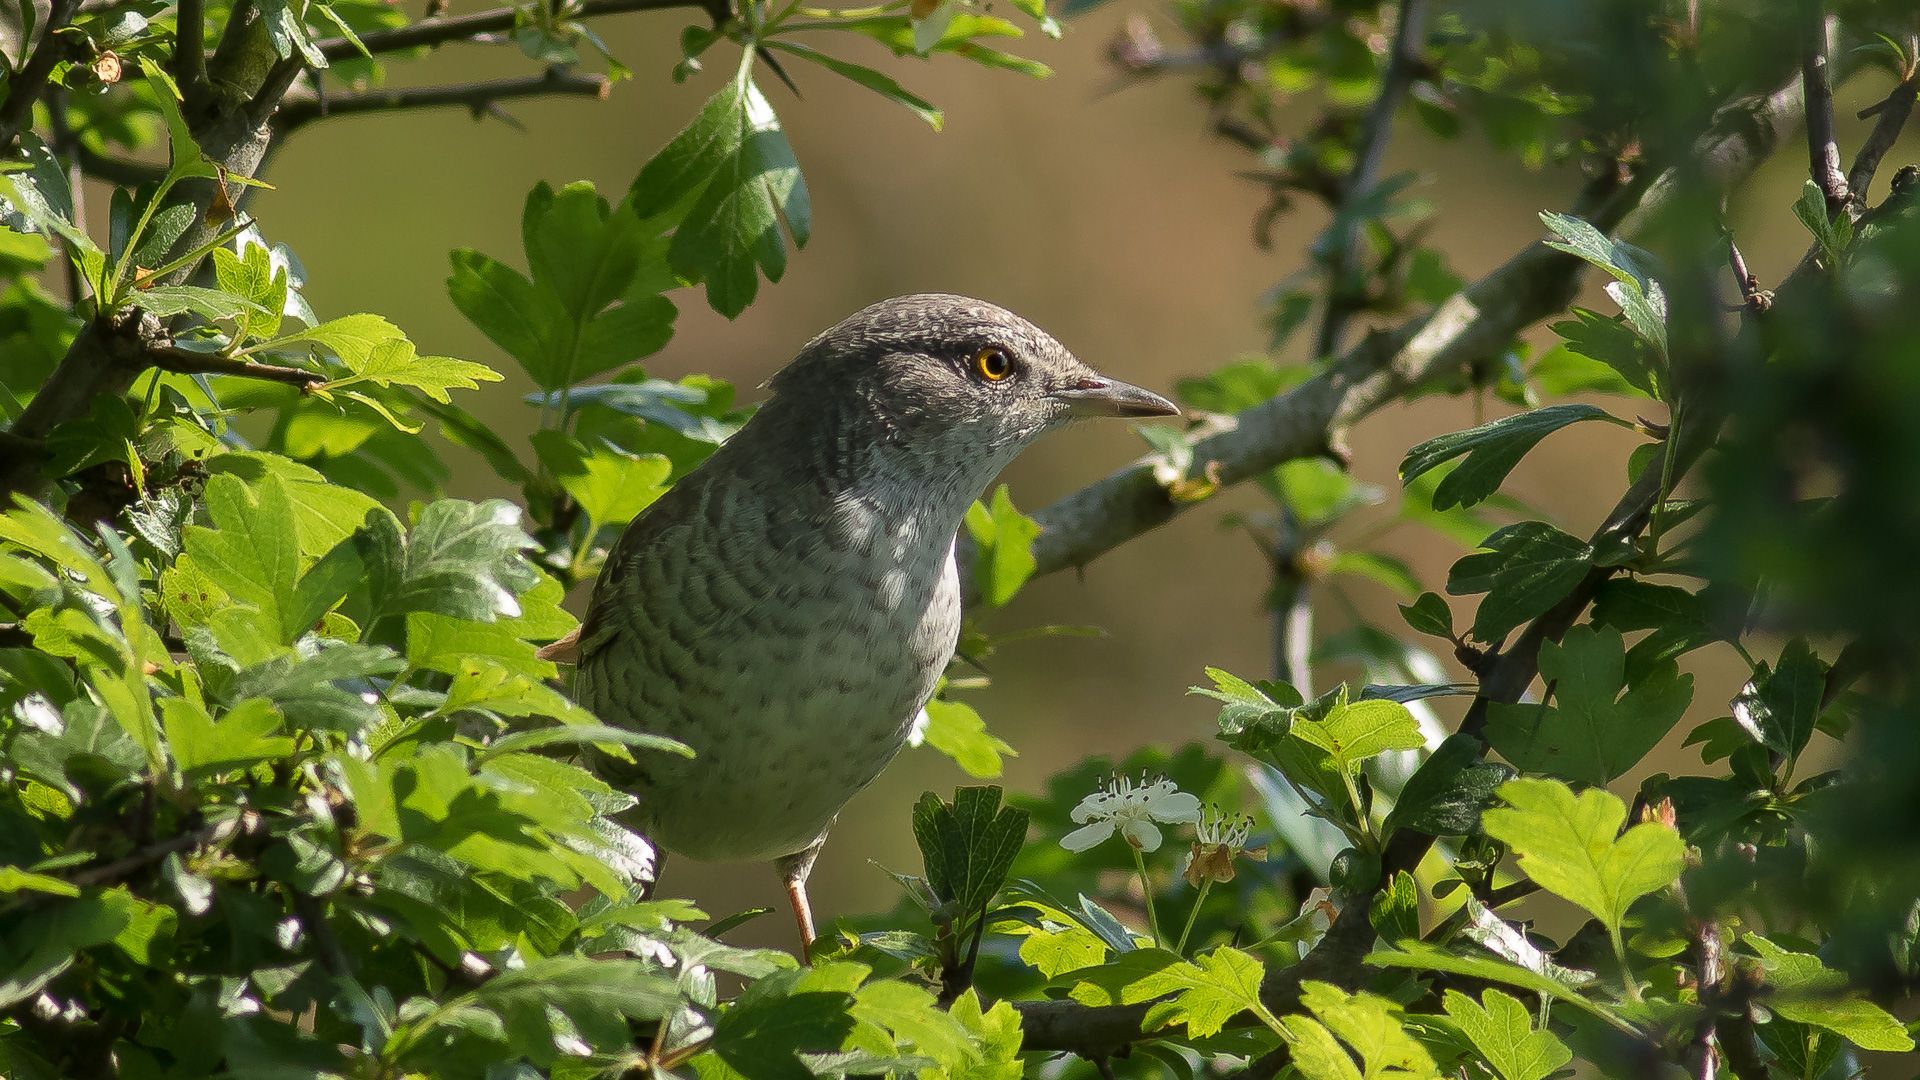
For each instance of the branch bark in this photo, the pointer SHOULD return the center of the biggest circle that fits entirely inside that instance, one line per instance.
(556, 81)
(439, 31)
(1893, 112)
(187, 362)
(1823, 146)
(1474, 324)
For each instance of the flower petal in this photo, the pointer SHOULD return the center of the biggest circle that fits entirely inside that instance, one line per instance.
(1083, 838)
(1141, 834)
(1174, 807)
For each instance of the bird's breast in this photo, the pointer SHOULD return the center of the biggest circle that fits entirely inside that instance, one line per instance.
(790, 651)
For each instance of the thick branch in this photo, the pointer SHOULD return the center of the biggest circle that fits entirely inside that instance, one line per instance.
(1474, 324)
(187, 362)
(24, 88)
(1823, 146)
(1344, 292)
(476, 97)
(190, 48)
(439, 31)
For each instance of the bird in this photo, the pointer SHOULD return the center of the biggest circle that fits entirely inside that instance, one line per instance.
(787, 608)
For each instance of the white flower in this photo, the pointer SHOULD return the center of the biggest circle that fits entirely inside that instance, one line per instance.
(1130, 809)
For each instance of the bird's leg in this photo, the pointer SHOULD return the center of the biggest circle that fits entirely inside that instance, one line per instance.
(794, 869)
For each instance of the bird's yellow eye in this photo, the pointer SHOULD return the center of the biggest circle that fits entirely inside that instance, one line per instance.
(992, 364)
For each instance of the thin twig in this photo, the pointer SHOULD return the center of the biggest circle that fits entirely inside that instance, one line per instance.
(24, 88)
(1823, 146)
(279, 80)
(187, 362)
(439, 31)
(1756, 299)
(1344, 295)
(1703, 1058)
(153, 853)
(1893, 111)
(476, 97)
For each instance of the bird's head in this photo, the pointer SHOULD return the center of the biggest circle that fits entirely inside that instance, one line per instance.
(951, 375)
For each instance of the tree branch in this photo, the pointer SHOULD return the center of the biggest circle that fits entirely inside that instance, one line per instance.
(1893, 112)
(438, 31)
(1474, 324)
(1823, 146)
(476, 97)
(190, 48)
(186, 362)
(24, 88)
(1344, 295)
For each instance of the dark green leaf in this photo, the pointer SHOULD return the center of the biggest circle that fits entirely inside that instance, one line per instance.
(1446, 795)
(763, 1038)
(1492, 451)
(1525, 569)
(1588, 735)
(1430, 614)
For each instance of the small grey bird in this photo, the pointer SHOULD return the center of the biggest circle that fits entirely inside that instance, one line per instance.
(786, 609)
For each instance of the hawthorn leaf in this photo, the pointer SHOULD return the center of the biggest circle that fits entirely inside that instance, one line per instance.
(1573, 847)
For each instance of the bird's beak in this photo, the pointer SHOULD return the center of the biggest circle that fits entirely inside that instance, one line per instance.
(1101, 396)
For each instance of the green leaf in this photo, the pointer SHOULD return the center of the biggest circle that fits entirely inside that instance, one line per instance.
(580, 250)
(1525, 568)
(253, 277)
(1834, 234)
(1492, 450)
(738, 160)
(1354, 732)
(968, 845)
(525, 322)
(1430, 614)
(1370, 1024)
(1503, 1033)
(1632, 361)
(252, 550)
(1446, 795)
(582, 733)
(957, 731)
(1633, 288)
(763, 1038)
(611, 485)
(485, 685)
(1420, 955)
(243, 737)
(1573, 847)
(462, 560)
(1396, 909)
(1781, 706)
(1593, 733)
(1056, 951)
(873, 80)
(1808, 992)
(1003, 546)
(210, 304)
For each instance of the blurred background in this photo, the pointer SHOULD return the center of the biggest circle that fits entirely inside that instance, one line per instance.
(1100, 207)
